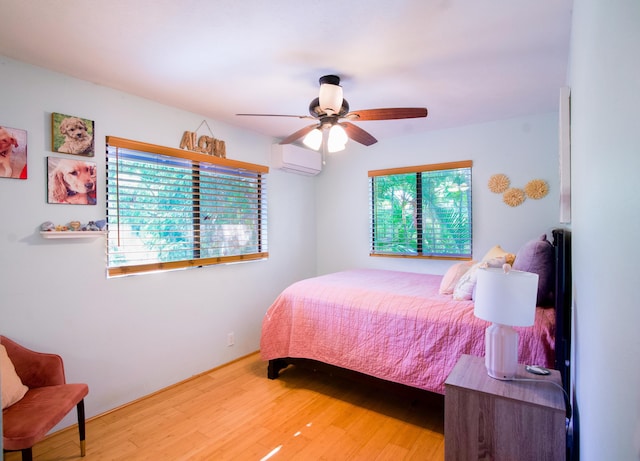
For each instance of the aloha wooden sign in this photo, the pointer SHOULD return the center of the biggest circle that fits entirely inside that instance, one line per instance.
(204, 144)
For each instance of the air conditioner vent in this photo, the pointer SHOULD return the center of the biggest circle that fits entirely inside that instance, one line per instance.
(296, 159)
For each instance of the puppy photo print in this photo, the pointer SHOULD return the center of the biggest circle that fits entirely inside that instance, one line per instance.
(72, 135)
(71, 181)
(13, 153)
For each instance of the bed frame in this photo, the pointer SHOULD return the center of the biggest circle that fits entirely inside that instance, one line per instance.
(562, 245)
(563, 302)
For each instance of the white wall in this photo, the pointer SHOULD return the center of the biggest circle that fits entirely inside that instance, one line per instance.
(522, 148)
(605, 97)
(128, 337)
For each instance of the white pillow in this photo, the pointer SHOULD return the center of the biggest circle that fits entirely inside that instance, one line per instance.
(12, 387)
(465, 286)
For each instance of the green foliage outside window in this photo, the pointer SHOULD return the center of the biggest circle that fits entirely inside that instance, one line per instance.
(167, 209)
(424, 213)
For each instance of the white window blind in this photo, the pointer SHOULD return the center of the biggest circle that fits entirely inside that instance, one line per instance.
(173, 209)
(422, 211)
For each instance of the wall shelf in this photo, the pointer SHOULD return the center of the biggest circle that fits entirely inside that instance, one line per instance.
(71, 234)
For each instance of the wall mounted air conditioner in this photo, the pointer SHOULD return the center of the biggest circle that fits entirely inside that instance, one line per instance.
(296, 159)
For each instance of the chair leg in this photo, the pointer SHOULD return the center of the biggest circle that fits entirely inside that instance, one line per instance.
(81, 418)
(26, 454)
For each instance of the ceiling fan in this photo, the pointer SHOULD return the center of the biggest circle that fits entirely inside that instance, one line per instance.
(331, 112)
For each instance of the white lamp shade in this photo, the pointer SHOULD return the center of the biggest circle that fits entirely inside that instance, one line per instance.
(313, 139)
(330, 98)
(507, 298)
(337, 139)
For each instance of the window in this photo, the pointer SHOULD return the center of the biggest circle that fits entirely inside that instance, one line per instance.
(173, 209)
(422, 211)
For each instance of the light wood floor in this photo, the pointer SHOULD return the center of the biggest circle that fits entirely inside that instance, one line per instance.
(236, 413)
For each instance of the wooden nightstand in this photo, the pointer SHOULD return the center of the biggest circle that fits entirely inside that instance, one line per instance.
(485, 418)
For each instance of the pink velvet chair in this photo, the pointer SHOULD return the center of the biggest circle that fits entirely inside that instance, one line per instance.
(47, 401)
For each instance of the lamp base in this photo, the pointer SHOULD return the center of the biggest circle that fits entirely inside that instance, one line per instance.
(501, 351)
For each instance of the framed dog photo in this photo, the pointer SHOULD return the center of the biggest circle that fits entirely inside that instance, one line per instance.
(71, 181)
(13, 153)
(72, 135)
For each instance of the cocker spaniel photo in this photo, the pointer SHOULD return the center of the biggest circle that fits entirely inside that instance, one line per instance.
(71, 181)
(74, 135)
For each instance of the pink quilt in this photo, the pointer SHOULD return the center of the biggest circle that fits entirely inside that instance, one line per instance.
(387, 324)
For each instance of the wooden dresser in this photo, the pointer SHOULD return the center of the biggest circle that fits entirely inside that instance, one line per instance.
(489, 419)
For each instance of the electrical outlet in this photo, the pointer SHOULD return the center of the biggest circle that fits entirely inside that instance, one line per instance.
(230, 339)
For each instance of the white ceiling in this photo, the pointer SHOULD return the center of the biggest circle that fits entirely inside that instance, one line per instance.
(467, 61)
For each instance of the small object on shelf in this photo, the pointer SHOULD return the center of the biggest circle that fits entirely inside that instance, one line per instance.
(90, 226)
(74, 229)
(47, 226)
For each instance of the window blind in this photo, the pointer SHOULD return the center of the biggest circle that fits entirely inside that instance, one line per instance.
(173, 209)
(422, 211)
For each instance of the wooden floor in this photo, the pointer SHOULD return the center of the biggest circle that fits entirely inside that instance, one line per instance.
(236, 413)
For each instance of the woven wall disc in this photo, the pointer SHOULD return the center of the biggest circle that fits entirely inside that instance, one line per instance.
(513, 197)
(498, 183)
(536, 189)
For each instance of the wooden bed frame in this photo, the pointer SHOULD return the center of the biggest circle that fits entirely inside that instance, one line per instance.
(562, 245)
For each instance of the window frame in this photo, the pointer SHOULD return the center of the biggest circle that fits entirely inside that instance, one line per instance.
(417, 170)
(197, 161)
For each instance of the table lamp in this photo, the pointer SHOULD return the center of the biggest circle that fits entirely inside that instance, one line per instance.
(506, 298)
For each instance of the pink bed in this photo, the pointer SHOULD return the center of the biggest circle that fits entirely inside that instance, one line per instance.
(387, 324)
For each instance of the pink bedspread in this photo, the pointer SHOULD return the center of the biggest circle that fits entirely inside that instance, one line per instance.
(387, 324)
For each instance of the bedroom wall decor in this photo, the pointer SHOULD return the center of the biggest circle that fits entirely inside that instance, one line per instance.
(13, 153)
(535, 189)
(73, 229)
(72, 135)
(203, 143)
(513, 197)
(71, 181)
(498, 183)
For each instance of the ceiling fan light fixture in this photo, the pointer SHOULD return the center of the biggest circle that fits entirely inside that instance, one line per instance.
(330, 94)
(328, 109)
(330, 98)
(337, 139)
(313, 140)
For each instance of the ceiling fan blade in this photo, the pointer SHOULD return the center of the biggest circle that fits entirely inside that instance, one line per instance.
(387, 114)
(358, 134)
(298, 134)
(275, 115)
